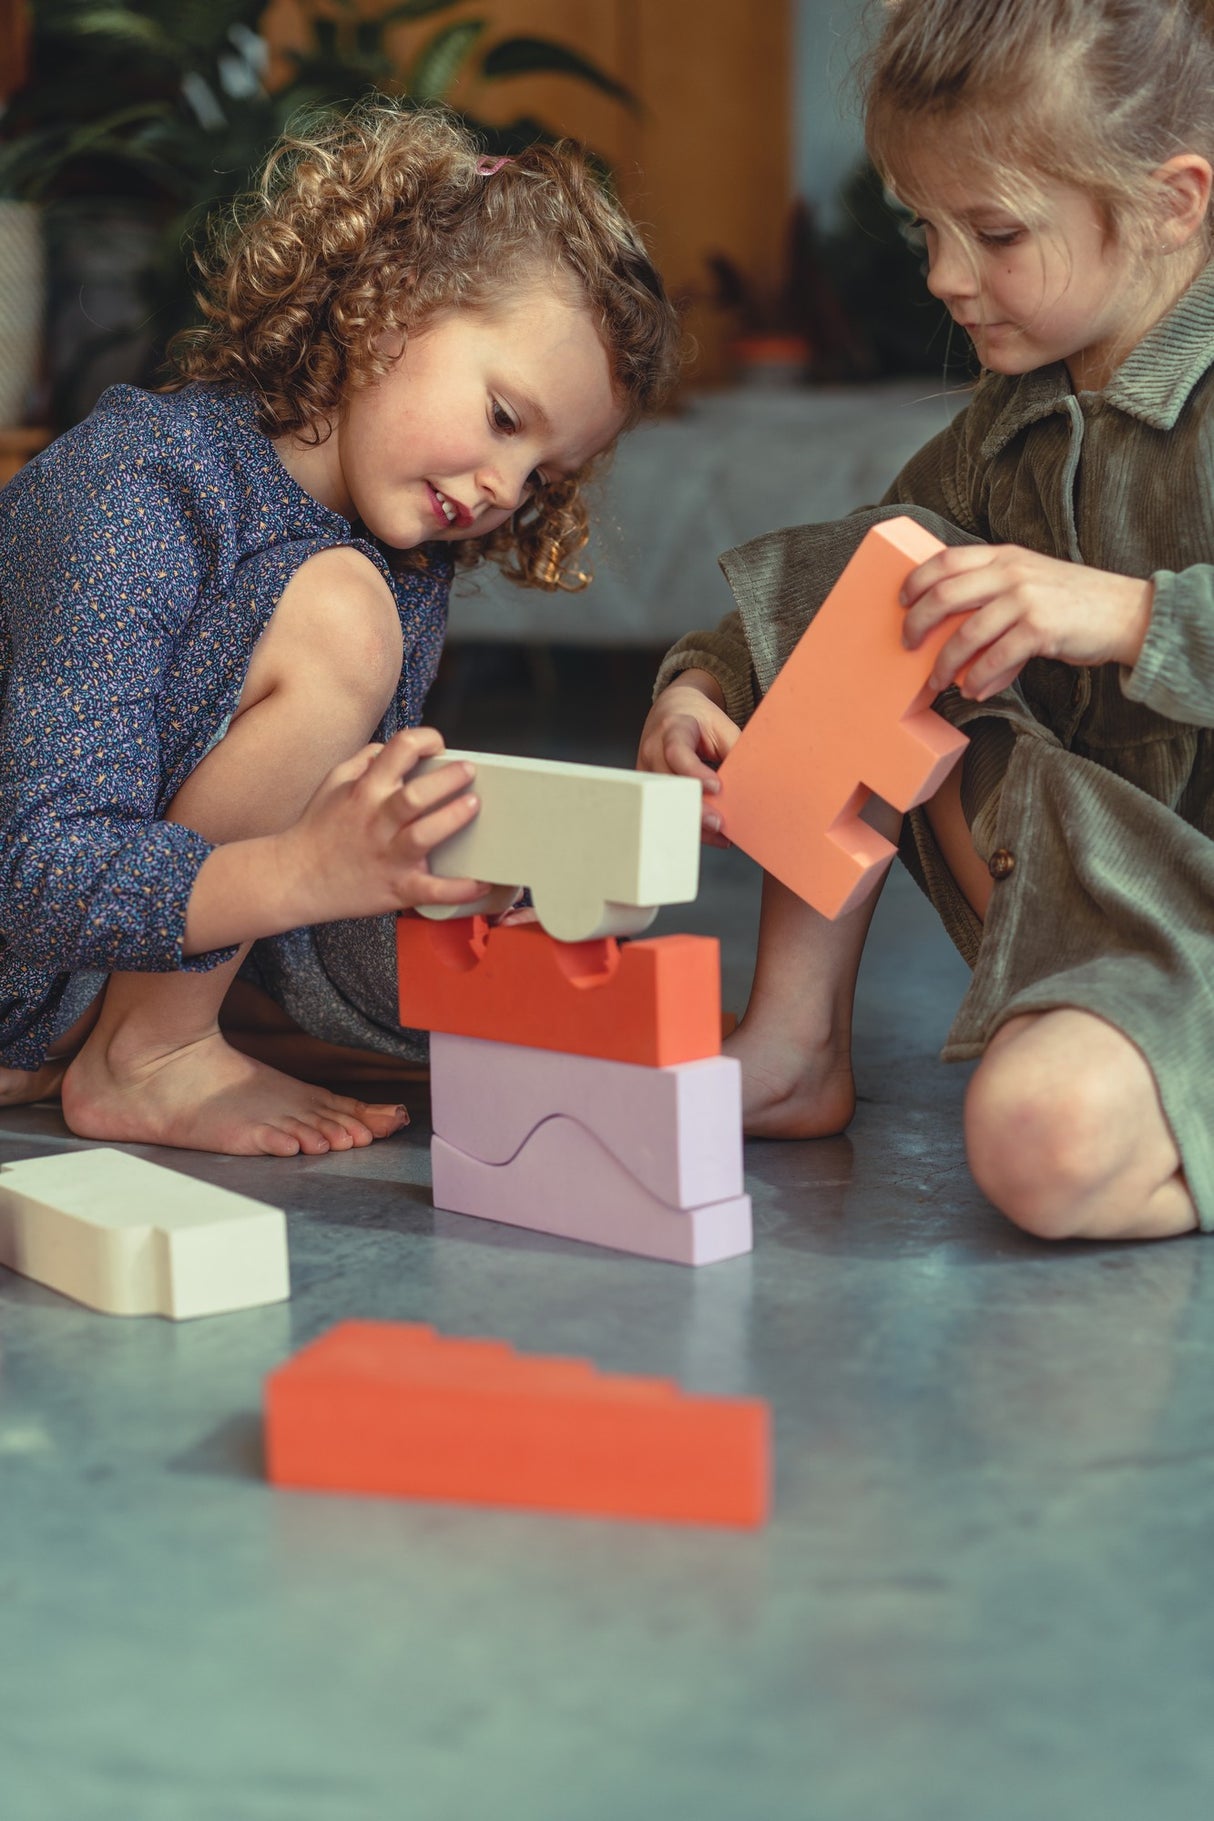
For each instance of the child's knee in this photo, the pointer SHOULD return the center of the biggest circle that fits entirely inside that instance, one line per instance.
(336, 629)
(1037, 1149)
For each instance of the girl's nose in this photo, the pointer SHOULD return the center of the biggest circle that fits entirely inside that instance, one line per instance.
(505, 484)
(950, 269)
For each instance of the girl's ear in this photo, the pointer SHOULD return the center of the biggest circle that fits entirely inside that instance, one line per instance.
(1184, 194)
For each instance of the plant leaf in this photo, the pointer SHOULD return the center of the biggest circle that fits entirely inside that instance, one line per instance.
(438, 63)
(413, 9)
(125, 26)
(540, 56)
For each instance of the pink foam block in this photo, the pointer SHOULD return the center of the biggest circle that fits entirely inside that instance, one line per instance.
(564, 1182)
(678, 1130)
(849, 715)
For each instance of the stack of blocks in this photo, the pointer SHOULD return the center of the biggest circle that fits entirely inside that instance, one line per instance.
(578, 1089)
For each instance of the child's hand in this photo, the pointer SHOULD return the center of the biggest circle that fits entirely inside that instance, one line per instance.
(688, 733)
(1021, 605)
(360, 847)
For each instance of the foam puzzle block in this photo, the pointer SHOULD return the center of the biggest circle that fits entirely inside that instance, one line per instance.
(677, 1130)
(563, 1181)
(599, 847)
(394, 1410)
(848, 715)
(129, 1237)
(657, 1001)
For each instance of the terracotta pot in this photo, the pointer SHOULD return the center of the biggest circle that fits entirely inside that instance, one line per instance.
(22, 304)
(770, 360)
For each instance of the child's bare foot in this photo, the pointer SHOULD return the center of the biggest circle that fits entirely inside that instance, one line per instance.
(204, 1096)
(18, 1087)
(788, 1092)
(256, 1026)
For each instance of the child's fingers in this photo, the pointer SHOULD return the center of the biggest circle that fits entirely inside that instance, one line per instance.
(428, 888)
(421, 795)
(986, 644)
(350, 770)
(681, 755)
(959, 560)
(407, 748)
(418, 834)
(999, 665)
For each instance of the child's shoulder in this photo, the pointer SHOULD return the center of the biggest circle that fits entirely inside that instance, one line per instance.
(136, 425)
(183, 454)
(192, 446)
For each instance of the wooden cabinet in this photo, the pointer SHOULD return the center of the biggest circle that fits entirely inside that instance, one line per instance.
(14, 45)
(705, 165)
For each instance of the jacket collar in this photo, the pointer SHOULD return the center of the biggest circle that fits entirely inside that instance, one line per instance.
(1153, 383)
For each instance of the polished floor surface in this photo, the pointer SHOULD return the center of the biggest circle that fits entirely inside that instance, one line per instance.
(984, 1593)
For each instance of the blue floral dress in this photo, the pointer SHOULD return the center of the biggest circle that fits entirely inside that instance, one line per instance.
(141, 558)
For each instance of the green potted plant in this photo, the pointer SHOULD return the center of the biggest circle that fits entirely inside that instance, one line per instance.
(795, 329)
(137, 119)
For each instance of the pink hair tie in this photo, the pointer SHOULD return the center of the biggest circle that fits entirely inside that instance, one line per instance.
(489, 167)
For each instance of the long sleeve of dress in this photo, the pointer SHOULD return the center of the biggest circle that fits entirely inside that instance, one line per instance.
(98, 570)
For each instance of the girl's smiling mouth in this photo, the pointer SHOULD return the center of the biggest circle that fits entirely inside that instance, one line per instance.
(447, 511)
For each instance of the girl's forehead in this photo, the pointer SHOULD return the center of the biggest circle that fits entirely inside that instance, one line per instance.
(973, 194)
(935, 175)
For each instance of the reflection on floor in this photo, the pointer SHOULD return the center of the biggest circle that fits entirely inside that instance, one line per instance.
(979, 1598)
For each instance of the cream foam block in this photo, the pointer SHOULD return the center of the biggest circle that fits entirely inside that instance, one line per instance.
(599, 847)
(129, 1237)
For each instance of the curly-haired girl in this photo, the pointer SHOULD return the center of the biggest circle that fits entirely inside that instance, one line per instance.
(222, 606)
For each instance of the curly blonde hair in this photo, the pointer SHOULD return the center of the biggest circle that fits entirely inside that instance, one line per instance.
(365, 226)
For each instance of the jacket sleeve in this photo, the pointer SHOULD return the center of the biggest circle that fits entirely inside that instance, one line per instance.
(724, 653)
(99, 566)
(780, 580)
(1174, 674)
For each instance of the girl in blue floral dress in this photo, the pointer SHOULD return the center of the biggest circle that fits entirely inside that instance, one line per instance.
(222, 606)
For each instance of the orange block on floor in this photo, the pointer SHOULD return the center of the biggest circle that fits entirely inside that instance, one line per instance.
(848, 716)
(657, 1001)
(396, 1410)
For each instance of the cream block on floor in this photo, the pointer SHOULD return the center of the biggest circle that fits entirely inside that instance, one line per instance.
(129, 1237)
(599, 847)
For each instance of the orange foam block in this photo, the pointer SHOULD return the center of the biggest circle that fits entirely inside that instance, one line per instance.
(395, 1410)
(847, 716)
(656, 1001)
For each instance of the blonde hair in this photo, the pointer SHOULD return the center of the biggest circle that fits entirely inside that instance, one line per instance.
(1096, 94)
(364, 227)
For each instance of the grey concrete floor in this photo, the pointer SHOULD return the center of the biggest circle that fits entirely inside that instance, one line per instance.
(983, 1596)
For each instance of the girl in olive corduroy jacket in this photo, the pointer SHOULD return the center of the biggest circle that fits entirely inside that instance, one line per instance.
(1059, 158)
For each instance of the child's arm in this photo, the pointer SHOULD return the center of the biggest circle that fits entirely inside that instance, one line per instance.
(359, 850)
(704, 691)
(1021, 605)
(688, 732)
(95, 596)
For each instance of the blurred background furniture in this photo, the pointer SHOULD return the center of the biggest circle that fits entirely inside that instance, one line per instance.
(731, 464)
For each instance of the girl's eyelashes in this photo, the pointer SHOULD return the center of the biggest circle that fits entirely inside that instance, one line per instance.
(1000, 237)
(986, 237)
(508, 425)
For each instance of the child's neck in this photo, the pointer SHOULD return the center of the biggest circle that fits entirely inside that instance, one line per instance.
(1091, 369)
(316, 467)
